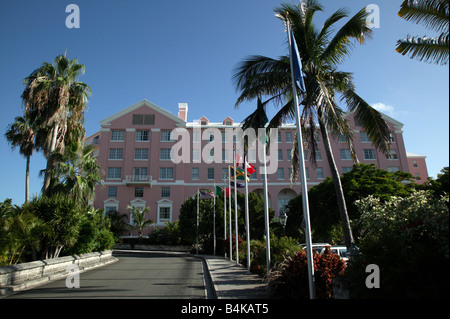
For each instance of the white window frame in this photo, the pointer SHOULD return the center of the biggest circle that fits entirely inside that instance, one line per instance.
(210, 169)
(195, 177)
(140, 136)
(164, 173)
(111, 191)
(280, 155)
(140, 154)
(371, 152)
(345, 154)
(166, 136)
(392, 154)
(165, 154)
(115, 154)
(364, 137)
(116, 170)
(195, 156)
(288, 137)
(280, 173)
(165, 191)
(116, 135)
(319, 173)
(164, 203)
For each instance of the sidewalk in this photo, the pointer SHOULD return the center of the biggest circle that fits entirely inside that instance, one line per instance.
(232, 281)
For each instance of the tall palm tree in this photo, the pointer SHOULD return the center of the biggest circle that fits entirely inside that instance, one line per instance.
(321, 53)
(58, 100)
(434, 14)
(22, 134)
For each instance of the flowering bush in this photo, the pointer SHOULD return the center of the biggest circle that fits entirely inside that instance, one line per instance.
(289, 279)
(408, 239)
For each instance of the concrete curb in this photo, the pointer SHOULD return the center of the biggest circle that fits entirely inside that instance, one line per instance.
(231, 281)
(25, 276)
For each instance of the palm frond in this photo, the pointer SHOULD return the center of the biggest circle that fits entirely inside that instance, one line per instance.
(355, 29)
(259, 75)
(328, 24)
(257, 119)
(434, 14)
(372, 121)
(433, 50)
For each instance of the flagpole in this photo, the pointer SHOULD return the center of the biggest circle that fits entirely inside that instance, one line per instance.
(247, 226)
(235, 206)
(214, 219)
(198, 205)
(266, 207)
(312, 290)
(229, 216)
(225, 214)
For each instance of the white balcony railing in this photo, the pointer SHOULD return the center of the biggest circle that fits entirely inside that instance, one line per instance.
(138, 179)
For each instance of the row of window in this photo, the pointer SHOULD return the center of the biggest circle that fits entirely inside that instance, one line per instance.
(139, 154)
(167, 154)
(141, 136)
(139, 191)
(167, 173)
(144, 135)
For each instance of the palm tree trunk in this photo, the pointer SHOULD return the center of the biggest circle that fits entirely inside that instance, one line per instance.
(27, 179)
(50, 165)
(337, 185)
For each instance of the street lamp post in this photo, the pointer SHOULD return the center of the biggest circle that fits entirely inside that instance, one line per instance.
(283, 220)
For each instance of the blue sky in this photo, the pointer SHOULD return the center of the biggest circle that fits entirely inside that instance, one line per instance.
(175, 51)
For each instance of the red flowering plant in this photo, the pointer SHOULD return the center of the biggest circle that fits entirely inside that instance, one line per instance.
(289, 279)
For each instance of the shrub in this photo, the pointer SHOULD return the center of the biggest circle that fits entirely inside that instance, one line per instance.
(280, 248)
(94, 234)
(62, 217)
(289, 279)
(226, 245)
(105, 240)
(407, 238)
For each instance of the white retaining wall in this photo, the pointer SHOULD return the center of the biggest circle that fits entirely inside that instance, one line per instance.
(27, 275)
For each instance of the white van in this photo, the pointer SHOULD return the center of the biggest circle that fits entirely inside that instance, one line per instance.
(341, 251)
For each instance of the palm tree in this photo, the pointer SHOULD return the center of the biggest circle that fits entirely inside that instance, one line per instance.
(76, 172)
(22, 134)
(139, 221)
(58, 101)
(321, 55)
(434, 14)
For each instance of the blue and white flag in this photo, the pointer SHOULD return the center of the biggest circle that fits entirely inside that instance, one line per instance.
(297, 65)
(238, 185)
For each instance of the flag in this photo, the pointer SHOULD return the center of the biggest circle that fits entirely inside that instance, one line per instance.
(221, 191)
(250, 168)
(240, 174)
(206, 194)
(239, 160)
(238, 185)
(297, 65)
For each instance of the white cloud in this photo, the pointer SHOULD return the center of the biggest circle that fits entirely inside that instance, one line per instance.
(386, 109)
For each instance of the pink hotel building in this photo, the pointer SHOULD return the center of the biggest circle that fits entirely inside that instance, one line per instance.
(134, 150)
